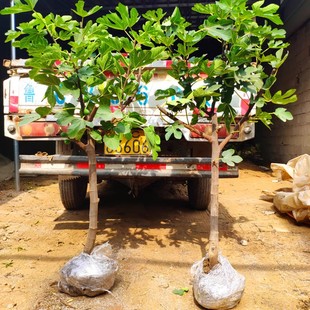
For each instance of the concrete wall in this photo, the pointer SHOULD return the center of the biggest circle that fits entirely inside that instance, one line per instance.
(290, 139)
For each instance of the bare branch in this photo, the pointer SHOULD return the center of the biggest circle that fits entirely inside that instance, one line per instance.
(127, 102)
(189, 127)
(130, 99)
(93, 113)
(80, 144)
(244, 118)
(81, 99)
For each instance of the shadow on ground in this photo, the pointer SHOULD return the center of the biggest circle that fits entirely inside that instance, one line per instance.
(129, 222)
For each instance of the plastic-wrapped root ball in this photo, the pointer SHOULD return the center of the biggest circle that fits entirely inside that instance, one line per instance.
(221, 288)
(89, 274)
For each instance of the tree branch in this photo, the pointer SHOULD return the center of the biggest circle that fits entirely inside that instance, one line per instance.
(127, 102)
(92, 114)
(130, 99)
(244, 118)
(189, 127)
(80, 144)
(81, 99)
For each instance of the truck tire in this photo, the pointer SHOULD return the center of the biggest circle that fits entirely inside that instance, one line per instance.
(72, 191)
(199, 193)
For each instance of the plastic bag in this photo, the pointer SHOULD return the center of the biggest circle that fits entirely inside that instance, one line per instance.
(297, 202)
(89, 274)
(221, 288)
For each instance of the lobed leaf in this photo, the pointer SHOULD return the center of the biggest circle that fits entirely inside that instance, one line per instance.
(175, 130)
(230, 159)
(288, 97)
(267, 12)
(76, 129)
(29, 118)
(47, 79)
(283, 114)
(111, 141)
(19, 7)
(43, 111)
(96, 135)
(153, 140)
(81, 12)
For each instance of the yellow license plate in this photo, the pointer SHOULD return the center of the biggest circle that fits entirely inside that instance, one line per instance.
(137, 145)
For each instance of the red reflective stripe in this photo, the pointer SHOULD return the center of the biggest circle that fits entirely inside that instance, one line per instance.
(244, 105)
(13, 104)
(207, 167)
(143, 166)
(168, 63)
(85, 166)
(82, 165)
(223, 167)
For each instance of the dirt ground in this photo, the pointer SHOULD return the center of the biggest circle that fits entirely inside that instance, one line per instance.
(156, 238)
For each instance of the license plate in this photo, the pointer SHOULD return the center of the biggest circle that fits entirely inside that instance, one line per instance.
(137, 145)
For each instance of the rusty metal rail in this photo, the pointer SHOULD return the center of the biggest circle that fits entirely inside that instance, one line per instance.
(123, 167)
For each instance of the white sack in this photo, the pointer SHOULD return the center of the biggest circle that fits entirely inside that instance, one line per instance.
(297, 202)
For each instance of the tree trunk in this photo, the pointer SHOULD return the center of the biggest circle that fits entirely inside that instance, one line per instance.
(93, 195)
(214, 203)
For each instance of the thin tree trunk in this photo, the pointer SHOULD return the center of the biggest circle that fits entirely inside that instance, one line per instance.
(214, 203)
(93, 195)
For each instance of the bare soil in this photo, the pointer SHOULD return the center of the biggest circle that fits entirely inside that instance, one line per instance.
(156, 238)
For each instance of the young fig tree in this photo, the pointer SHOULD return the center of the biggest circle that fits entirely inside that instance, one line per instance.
(252, 51)
(93, 61)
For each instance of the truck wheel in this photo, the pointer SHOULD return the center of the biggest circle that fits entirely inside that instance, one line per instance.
(72, 191)
(199, 193)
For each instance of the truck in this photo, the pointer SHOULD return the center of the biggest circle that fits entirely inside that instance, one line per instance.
(185, 160)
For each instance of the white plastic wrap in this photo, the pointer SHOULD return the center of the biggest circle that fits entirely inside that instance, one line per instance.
(296, 202)
(89, 274)
(221, 288)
